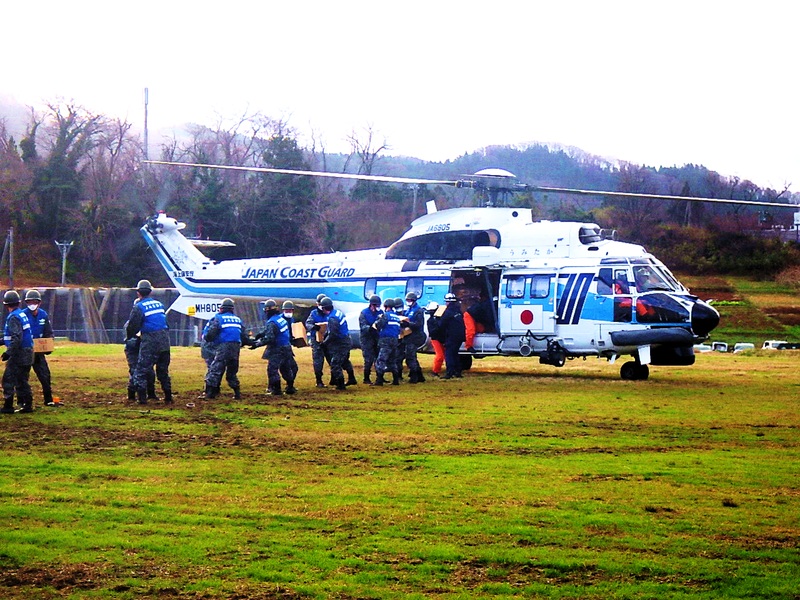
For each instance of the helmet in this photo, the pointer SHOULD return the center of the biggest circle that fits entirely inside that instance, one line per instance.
(11, 297)
(144, 285)
(388, 303)
(376, 300)
(33, 295)
(326, 303)
(450, 297)
(411, 297)
(320, 297)
(227, 303)
(288, 305)
(432, 306)
(270, 304)
(398, 303)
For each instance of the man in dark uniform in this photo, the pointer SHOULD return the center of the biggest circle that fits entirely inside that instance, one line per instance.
(18, 356)
(40, 328)
(132, 346)
(225, 332)
(399, 355)
(388, 327)
(288, 315)
(318, 351)
(369, 335)
(452, 324)
(149, 317)
(278, 351)
(415, 322)
(337, 340)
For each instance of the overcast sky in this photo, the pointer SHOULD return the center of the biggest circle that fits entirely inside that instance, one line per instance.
(658, 83)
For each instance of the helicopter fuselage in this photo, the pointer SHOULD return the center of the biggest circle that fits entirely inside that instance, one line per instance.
(556, 290)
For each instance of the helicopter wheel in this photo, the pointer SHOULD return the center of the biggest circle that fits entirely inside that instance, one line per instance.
(633, 371)
(466, 361)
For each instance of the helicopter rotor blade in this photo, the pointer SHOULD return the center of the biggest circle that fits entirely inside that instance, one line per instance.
(536, 188)
(380, 178)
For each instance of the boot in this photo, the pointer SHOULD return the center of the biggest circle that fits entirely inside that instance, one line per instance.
(319, 382)
(274, 390)
(351, 377)
(131, 395)
(396, 378)
(48, 399)
(237, 394)
(420, 376)
(290, 389)
(26, 408)
(340, 385)
(211, 392)
(367, 379)
(8, 407)
(412, 376)
(167, 396)
(378, 379)
(151, 392)
(141, 396)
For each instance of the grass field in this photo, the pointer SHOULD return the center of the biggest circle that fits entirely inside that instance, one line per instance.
(519, 481)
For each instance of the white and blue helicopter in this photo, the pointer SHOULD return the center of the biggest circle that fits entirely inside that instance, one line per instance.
(557, 290)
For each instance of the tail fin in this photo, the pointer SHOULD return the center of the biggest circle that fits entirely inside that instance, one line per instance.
(177, 255)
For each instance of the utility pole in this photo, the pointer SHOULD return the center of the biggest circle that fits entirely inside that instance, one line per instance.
(64, 247)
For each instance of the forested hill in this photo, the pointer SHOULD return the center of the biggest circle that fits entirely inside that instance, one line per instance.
(78, 176)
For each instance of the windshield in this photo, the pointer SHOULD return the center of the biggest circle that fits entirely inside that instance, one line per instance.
(649, 278)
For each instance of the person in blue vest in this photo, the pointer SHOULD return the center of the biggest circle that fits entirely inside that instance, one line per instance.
(388, 328)
(132, 357)
(318, 352)
(414, 322)
(40, 328)
(18, 356)
(369, 335)
(227, 335)
(288, 314)
(337, 341)
(276, 337)
(149, 318)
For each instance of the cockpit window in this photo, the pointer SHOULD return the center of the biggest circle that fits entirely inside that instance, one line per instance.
(649, 279)
(443, 245)
(589, 235)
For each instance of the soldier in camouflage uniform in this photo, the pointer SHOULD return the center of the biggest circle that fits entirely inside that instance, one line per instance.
(132, 346)
(337, 340)
(399, 307)
(369, 335)
(206, 348)
(227, 335)
(415, 323)
(149, 317)
(278, 351)
(388, 327)
(288, 315)
(318, 351)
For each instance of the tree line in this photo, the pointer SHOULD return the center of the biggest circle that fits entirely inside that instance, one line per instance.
(78, 176)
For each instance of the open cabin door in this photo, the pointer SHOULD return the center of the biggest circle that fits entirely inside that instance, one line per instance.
(477, 289)
(528, 303)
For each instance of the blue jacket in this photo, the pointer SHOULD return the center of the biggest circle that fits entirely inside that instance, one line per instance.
(389, 325)
(231, 328)
(154, 315)
(282, 337)
(40, 324)
(337, 325)
(25, 326)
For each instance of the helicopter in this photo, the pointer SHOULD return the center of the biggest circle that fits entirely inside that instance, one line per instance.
(556, 290)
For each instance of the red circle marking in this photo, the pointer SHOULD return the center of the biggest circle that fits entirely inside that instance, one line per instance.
(526, 317)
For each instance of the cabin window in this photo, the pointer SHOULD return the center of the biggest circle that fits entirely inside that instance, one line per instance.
(369, 288)
(414, 284)
(540, 286)
(605, 279)
(649, 279)
(443, 245)
(515, 286)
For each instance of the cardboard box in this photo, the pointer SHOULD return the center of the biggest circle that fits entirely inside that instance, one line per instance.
(43, 344)
(323, 327)
(299, 335)
(440, 311)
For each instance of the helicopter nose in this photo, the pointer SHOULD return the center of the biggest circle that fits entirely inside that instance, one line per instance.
(704, 318)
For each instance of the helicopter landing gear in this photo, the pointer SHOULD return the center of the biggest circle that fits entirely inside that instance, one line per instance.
(554, 355)
(633, 371)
